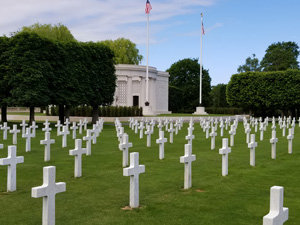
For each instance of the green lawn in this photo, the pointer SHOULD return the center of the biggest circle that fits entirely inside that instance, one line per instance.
(190, 115)
(98, 197)
(25, 113)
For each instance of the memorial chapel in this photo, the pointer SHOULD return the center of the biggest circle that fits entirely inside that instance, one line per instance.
(131, 88)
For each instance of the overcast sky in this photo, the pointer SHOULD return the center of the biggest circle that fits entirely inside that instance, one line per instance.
(235, 29)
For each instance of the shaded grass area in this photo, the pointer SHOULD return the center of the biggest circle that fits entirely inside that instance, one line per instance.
(97, 198)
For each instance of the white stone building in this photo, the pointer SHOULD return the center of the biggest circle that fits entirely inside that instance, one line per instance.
(131, 88)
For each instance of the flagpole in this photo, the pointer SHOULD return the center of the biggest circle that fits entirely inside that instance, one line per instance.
(200, 97)
(147, 67)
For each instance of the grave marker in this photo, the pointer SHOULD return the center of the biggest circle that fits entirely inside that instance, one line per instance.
(64, 134)
(124, 146)
(213, 135)
(134, 171)
(78, 152)
(28, 135)
(273, 141)
(88, 139)
(161, 141)
(15, 131)
(47, 142)
(48, 191)
(5, 128)
(187, 159)
(290, 138)
(11, 161)
(224, 151)
(252, 145)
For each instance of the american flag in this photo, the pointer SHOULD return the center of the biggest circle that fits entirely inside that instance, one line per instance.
(148, 7)
(203, 29)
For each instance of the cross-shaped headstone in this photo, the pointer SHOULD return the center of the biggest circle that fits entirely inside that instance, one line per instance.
(85, 123)
(221, 128)
(23, 125)
(283, 129)
(261, 128)
(187, 159)
(28, 135)
(161, 141)
(67, 123)
(78, 151)
(120, 134)
(247, 131)
(148, 133)
(33, 127)
(58, 125)
(136, 126)
(88, 138)
(252, 145)
(160, 126)
(134, 171)
(124, 146)
(190, 136)
(273, 142)
(11, 161)
(207, 127)
(213, 135)
(166, 123)
(80, 125)
(232, 132)
(171, 131)
(290, 138)
(47, 142)
(46, 128)
(224, 151)
(74, 128)
(15, 132)
(94, 134)
(255, 125)
(64, 134)
(5, 128)
(141, 127)
(278, 214)
(48, 191)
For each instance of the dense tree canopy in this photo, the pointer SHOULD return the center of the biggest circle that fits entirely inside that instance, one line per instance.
(265, 91)
(251, 65)
(281, 56)
(184, 81)
(57, 32)
(218, 96)
(40, 72)
(125, 51)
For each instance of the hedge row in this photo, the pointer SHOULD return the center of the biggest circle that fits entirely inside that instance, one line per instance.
(105, 111)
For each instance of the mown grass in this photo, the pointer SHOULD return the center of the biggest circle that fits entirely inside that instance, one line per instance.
(100, 194)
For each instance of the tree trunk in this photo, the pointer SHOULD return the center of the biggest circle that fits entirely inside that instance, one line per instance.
(61, 113)
(31, 114)
(4, 113)
(95, 114)
(67, 112)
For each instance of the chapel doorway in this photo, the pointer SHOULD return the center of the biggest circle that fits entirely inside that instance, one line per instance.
(135, 100)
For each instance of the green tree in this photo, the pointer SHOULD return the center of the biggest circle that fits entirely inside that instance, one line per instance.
(251, 65)
(125, 51)
(58, 32)
(184, 75)
(281, 56)
(218, 96)
(5, 46)
(32, 63)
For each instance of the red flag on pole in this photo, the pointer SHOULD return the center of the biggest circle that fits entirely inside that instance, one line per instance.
(203, 29)
(148, 7)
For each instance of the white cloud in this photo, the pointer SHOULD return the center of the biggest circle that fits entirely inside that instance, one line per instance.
(93, 20)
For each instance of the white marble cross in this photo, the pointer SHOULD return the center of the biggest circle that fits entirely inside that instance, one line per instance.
(221, 128)
(160, 126)
(67, 123)
(261, 128)
(5, 128)
(207, 127)
(58, 125)
(48, 191)
(47, 142)
(11, 161)
(290, 138)
(28, 135)
(255, 125)
(232, 132)
(120, 134)
(23, 125)
(273, 141)
(161, 141)
(33, 127)
(247, 131)
(171, 131)
(252, 145)
(74, 128)
(148, 133)
(136, 126)
(64, 134)
(46, 128)
(124, 146)
(141, 128)
(85, 123)
(134, 171)
(187, 159)
(78, 152)
(213, 135)
(190, 136)
(278, 214)
(283, 129)
(88, 138)
(224, 151)
(15, 132)
(80, 125)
